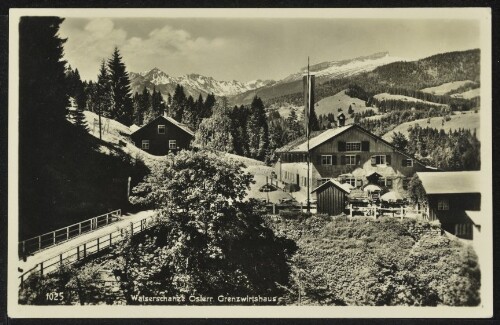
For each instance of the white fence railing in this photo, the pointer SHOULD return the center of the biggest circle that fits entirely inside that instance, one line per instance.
(50, 239)
(81, 251)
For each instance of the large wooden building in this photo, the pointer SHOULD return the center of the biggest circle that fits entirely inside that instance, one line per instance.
(454, 198)
(162, 136)
(348, 154)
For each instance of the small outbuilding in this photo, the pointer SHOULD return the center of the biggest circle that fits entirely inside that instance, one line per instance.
(331, 197)
(451, 198)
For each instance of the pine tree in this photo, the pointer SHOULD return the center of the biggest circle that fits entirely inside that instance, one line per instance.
(122, 109)
(43, 128)
(209, 104)
(157, 102)
(313, 120)
(199, 107)
(104, 98)
(257, 130)
(189, 116)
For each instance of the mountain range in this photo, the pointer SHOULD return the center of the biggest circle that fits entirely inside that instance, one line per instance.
(375, 73)
(195, 84)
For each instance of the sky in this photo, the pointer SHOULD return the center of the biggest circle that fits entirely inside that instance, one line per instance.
(246, 49)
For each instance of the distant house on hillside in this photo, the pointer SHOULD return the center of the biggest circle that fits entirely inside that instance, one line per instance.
(454, 198)
(349, 154)
(162, 136)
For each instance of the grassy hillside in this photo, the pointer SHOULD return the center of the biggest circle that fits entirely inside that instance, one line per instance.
(386, 96)
(466, 120)
(331, 104)
(87, 177)
(448, 87)
(469, 94)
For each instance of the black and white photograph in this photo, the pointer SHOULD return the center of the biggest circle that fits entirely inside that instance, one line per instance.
(279, 162)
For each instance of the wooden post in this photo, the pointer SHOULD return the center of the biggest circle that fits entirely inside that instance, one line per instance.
(131, 228)
(77, 253)
(107, 219)
(41, 268)
(80, 228)
(67, 233)
(98, 244)
(54, 237)
(24, 248)
(110, 236)
(84, 250)
(60, 260)
(274, 208)
(350, 210)
(39, 242)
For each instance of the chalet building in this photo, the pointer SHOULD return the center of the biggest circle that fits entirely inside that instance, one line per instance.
(349, 154)
(454, 198)
(162, 136)
(332, 197)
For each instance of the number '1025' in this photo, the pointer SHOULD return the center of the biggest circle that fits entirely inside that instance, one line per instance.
(54, 296)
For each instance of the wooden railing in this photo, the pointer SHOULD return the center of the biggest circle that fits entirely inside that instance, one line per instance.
(83, 250)
(35, 244)
(375, 211)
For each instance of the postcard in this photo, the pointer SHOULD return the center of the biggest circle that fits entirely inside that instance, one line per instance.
(263, 163)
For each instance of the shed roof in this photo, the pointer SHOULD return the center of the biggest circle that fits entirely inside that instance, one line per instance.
(329, 183)
(451, 182)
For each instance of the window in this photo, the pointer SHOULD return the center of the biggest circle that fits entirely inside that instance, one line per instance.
(326, 159)
(350, 180)
(350, 160)
(161, 129)
(443, 205)
(353, 146)
(378, 160)
(172, 144)
(145, 144)
(407, 162)
(386, 182)
(406, 182)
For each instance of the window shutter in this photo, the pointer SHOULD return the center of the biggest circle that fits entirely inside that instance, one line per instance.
(318, 159)
(342, 160)
(341, 146)
(334, 160)
(388, 159)
(365, 145)
(374, 160)
(358, 160)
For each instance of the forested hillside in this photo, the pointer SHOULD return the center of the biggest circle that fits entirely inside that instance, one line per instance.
(429, 72)
(63, 179)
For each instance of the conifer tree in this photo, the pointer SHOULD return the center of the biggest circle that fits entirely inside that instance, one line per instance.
(178, 103)
(122, 110)
(257, 130)
(104, 99)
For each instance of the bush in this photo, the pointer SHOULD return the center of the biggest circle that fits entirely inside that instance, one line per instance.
(368, 262)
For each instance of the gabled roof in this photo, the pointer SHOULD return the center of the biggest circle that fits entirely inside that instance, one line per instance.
(450, 182)
(181, 126)
(332, 133)
(331, 182)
